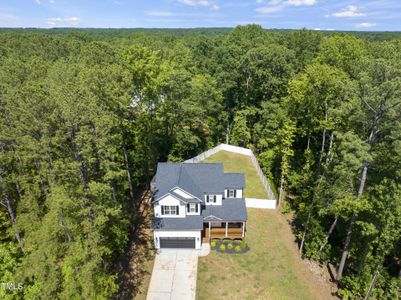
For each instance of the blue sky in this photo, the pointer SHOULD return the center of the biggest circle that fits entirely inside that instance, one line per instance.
(312, 14)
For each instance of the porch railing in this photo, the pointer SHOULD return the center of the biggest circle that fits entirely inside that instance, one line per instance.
(221, 232)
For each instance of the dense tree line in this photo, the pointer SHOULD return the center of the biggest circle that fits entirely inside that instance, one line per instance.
(85, 117)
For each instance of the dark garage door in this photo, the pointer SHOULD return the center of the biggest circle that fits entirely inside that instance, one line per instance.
(177, 242)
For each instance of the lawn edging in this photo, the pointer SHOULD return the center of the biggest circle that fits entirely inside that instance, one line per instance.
(243, 151)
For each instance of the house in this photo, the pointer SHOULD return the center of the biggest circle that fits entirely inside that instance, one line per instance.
(194, 202)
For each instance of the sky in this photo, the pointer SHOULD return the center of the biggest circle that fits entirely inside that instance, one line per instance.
(375, 15)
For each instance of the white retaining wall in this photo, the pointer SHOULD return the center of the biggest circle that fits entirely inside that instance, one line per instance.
(260, 203)
(240, 150)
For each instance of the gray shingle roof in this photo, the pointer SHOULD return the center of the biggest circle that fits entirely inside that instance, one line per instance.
(187, 223)
(230, 210)
(195, 178)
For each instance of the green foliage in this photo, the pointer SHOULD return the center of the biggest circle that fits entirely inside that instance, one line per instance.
(85, 116)
(237, 248)
(213, 244)
(230, 246)
(243, 244)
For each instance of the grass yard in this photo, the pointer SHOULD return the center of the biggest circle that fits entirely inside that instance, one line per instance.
(272, 269)
(234, 162)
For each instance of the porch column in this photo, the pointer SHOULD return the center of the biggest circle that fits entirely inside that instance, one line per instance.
(243, 229)
(210, 225)
(226, 228)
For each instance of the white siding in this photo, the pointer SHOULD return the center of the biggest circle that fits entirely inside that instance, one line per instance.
(219, 199)
(196, 234)
(171, 201)
(182, 193)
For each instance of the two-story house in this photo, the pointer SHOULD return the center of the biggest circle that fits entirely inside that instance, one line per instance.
(194, 202)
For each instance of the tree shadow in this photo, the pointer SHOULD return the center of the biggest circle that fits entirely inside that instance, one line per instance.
(132, 266)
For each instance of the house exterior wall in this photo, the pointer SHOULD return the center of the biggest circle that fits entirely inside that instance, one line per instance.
(188, 233)
(170, 200)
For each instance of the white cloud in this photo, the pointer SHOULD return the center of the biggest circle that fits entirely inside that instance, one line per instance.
(277, 5)
(269, 9)
(351, 11)
(157, 13)
(72, 21)
(39, 2)
(200, 3)
(365, 25)
(300, 2)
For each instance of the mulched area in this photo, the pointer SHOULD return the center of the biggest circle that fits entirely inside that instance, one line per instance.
(232, 250)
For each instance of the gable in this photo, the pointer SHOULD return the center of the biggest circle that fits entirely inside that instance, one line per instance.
(169, 199)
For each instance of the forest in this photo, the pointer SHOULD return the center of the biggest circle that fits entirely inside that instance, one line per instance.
(85, 115)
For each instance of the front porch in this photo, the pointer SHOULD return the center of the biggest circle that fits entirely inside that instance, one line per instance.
(221, 230)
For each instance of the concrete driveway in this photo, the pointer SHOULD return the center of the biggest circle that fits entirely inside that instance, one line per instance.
(174, 275)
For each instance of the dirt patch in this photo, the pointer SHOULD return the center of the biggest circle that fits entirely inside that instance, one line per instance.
(135, 267)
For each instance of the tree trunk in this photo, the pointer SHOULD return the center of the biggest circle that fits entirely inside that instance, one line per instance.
(281, 191)
(126, 164)
(10, 208)
(326, 238)
(371, 141)
(329, 158)
(321, 150)
(346, 248)
(323, 138)
(372, 284)
(304, 233)
(11, 213)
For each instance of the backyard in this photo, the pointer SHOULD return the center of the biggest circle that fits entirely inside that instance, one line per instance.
(272, 269)
(234, 162)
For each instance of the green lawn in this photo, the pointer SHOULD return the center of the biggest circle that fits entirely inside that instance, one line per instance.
(272, 269)
(234, 162)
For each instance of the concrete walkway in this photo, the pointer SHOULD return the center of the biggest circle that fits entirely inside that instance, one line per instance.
(174, 275)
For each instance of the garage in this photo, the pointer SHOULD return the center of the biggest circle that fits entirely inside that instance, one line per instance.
(177, 242)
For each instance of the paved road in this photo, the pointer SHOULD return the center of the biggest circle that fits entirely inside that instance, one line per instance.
(174, 275)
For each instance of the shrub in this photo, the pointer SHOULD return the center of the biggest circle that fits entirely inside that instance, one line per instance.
(213, 244)
(237, 248)
(230, 246)
(223, 247)
(243, 244)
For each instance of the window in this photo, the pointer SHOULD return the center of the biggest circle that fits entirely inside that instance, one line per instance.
(170, 210)
(211, 198)
(192, 207)
(231, 193)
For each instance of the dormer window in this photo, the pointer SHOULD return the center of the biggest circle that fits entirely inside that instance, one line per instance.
(192, 208)
(211, 198)
(231, 193)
